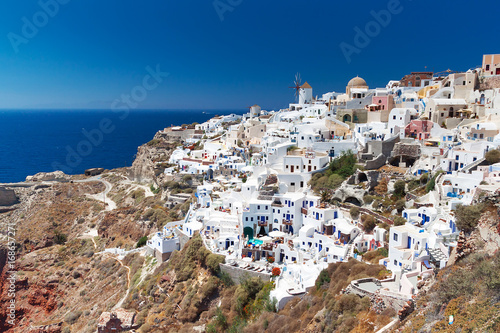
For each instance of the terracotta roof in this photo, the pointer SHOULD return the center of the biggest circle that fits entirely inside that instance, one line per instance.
(306, 86)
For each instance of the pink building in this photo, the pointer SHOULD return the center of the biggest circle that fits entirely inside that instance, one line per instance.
(419, 129)
(380, 103)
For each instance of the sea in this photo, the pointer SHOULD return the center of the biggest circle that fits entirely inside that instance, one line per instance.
(72, 141)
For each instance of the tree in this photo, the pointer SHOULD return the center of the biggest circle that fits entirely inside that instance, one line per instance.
(354, 211)
(400, 205)
(381, 188)
(424, 178)
(399, 188)
(493, 156)
(430, 185)
(467, 217)
(369, 222)
(326, 196)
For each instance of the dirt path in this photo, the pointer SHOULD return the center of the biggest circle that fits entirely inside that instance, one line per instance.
(133, 186)
(120, 302)
(103, 196)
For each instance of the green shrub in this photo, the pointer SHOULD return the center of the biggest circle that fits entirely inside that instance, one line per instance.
(368, 199)
(400, 188)
(493, 156)
(60, 238)
(344, 165)
(369, 222)
(400, 205)
(212, 262)
(323, 278)
(72, 317)
(399, 220)
(354, 211)
(467, 217)
(142, 241)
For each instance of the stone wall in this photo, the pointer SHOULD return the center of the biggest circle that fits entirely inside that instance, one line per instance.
(237, 273)
(183, 238)
(8, 197)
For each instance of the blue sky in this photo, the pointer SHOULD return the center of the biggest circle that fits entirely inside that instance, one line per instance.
(91, 52)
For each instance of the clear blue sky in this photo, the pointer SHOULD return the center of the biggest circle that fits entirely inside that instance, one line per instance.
(91, 51)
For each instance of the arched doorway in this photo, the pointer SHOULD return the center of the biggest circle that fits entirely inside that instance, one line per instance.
(347, 118)
(247, 231)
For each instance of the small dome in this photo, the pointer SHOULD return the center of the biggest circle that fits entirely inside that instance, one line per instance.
(357, 82)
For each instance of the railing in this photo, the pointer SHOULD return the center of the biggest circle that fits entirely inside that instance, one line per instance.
(287, 222)
(262, 223)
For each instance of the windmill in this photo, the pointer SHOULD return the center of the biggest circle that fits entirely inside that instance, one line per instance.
(297, 83)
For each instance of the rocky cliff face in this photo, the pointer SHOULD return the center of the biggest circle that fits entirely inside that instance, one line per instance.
(151, 160)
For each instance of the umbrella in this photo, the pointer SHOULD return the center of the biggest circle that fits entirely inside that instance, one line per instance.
(277, 233)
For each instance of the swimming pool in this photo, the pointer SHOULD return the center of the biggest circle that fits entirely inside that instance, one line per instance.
(254, 241)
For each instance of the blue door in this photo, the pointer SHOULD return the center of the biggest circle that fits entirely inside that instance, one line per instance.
(317, 216)
(409, 242)
(288, 217)
(335, 215)
(339, 234)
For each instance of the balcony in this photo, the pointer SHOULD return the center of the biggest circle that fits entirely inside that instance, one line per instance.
(303, 211)
(287, 222)
(262, 223)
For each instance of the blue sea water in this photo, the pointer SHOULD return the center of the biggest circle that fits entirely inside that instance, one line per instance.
(33, 141)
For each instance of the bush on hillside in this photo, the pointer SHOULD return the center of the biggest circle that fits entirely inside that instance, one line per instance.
(467, 217)
(493, 156)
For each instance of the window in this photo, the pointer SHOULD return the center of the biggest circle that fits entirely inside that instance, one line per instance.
(487, 67)
(258, 207)
(246, 218)
(395, 237)
(394, 117)
(251, 219)
(395, 262)
(267, 207)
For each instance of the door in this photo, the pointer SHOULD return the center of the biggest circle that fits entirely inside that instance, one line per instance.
(409, 242)
(291, 168)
